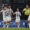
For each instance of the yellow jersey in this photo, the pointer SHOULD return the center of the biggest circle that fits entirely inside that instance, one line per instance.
(26, 11)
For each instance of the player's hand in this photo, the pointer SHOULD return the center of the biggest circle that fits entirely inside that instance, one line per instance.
(23, 11)
(19, 15)
(13, 13)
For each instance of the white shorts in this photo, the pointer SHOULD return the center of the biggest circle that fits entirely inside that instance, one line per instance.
(8, 18)
(4, 19)
(29, 17)
(17, 20)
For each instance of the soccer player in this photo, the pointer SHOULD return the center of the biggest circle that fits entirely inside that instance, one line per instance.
(26, 10)
(18, 14)
(29, 18)
(4, 12)
(10, 11)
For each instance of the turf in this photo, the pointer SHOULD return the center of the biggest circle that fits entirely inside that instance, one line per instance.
(15, 29)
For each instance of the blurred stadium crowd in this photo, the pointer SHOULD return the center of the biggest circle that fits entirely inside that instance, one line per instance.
(21, 4)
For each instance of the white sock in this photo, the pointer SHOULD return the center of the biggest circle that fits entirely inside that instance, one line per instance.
(8, 25)
(18, 25)
(4, 25)
(29, 25)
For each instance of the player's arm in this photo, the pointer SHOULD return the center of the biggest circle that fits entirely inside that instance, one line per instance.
(6, 12)
(13, 13)
(19, 14)
(13, 17)
(0, 11)
(24, 10)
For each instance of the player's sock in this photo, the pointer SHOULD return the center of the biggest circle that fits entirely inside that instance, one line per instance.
(8, 25)
(18, 25)
(4, 25)
(29, 25)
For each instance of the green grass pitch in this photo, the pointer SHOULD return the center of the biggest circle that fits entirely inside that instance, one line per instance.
(14, 28)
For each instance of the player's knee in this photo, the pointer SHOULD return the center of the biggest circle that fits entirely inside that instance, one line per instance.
(4, 22)
(29, 21)
(9, 21)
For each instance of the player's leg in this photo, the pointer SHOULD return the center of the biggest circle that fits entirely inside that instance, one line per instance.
(4, 25)
(29, 21)
(29, 25)
(9, 20)
(18, 22)
(4, 22)
(8, 24)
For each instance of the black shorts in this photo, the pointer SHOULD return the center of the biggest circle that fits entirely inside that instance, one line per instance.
(26, 17)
